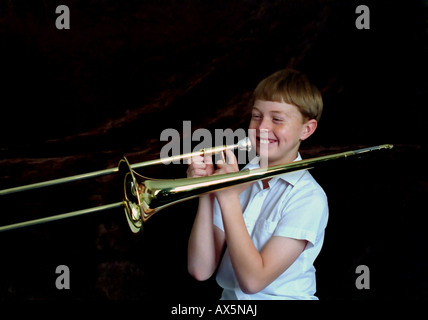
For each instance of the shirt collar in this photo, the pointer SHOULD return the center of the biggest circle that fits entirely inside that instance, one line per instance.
(290, 177)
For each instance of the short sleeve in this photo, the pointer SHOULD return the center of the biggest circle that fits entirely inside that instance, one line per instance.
(304, 216)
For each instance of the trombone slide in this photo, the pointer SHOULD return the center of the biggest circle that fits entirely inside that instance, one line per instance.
(243, 144)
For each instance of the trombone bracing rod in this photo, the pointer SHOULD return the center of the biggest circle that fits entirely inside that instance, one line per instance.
(243, 144)
(61, 216)
(58, 181)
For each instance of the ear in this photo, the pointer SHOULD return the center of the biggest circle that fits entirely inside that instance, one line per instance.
(308, 128)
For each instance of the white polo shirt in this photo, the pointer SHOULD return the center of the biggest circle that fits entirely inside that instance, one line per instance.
(294, 206)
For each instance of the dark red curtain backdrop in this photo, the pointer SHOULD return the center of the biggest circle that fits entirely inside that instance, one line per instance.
(77, 100)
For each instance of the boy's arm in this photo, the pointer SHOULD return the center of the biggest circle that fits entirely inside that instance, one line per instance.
(254, 270)
(206, 241)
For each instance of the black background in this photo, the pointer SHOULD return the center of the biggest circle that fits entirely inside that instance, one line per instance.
(75, 101)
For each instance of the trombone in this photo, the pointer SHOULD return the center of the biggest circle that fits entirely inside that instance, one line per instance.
(143, 197)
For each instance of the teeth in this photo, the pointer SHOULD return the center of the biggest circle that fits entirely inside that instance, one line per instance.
(264, 141)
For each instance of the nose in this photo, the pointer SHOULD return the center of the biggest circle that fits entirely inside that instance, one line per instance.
(265, 125)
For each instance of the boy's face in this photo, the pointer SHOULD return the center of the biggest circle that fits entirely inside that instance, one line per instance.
(279, 129)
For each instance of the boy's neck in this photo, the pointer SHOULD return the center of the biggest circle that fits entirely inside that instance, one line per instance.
(265, 182)
(285, 160)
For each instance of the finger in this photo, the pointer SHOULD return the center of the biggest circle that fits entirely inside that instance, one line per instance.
(220, 163)
(223, 156)
(209, 166)
(231, 158)
(196, 173)
(195, 159)
(199, 173)
(199, 165)
(219, 158)
(208, 159)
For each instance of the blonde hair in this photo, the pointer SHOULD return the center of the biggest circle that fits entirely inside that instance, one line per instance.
(292, 87)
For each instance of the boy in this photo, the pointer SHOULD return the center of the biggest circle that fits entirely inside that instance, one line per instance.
(272, 229)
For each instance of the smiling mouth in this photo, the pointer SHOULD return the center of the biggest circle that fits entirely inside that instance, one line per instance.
(266, 141)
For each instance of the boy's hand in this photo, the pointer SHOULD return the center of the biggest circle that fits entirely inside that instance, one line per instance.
(200, 167)
(228, 166)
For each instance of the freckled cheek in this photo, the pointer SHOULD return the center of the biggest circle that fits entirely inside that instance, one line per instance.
(281, 135)
(279, 132)
(253, 125)
(254, 128)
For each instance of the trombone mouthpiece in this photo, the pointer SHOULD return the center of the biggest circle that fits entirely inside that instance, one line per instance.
(245, 144)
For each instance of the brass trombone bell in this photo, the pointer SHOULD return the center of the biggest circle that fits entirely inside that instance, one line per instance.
(144, 196)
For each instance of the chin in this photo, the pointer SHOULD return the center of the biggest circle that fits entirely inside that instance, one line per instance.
(273, 151)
